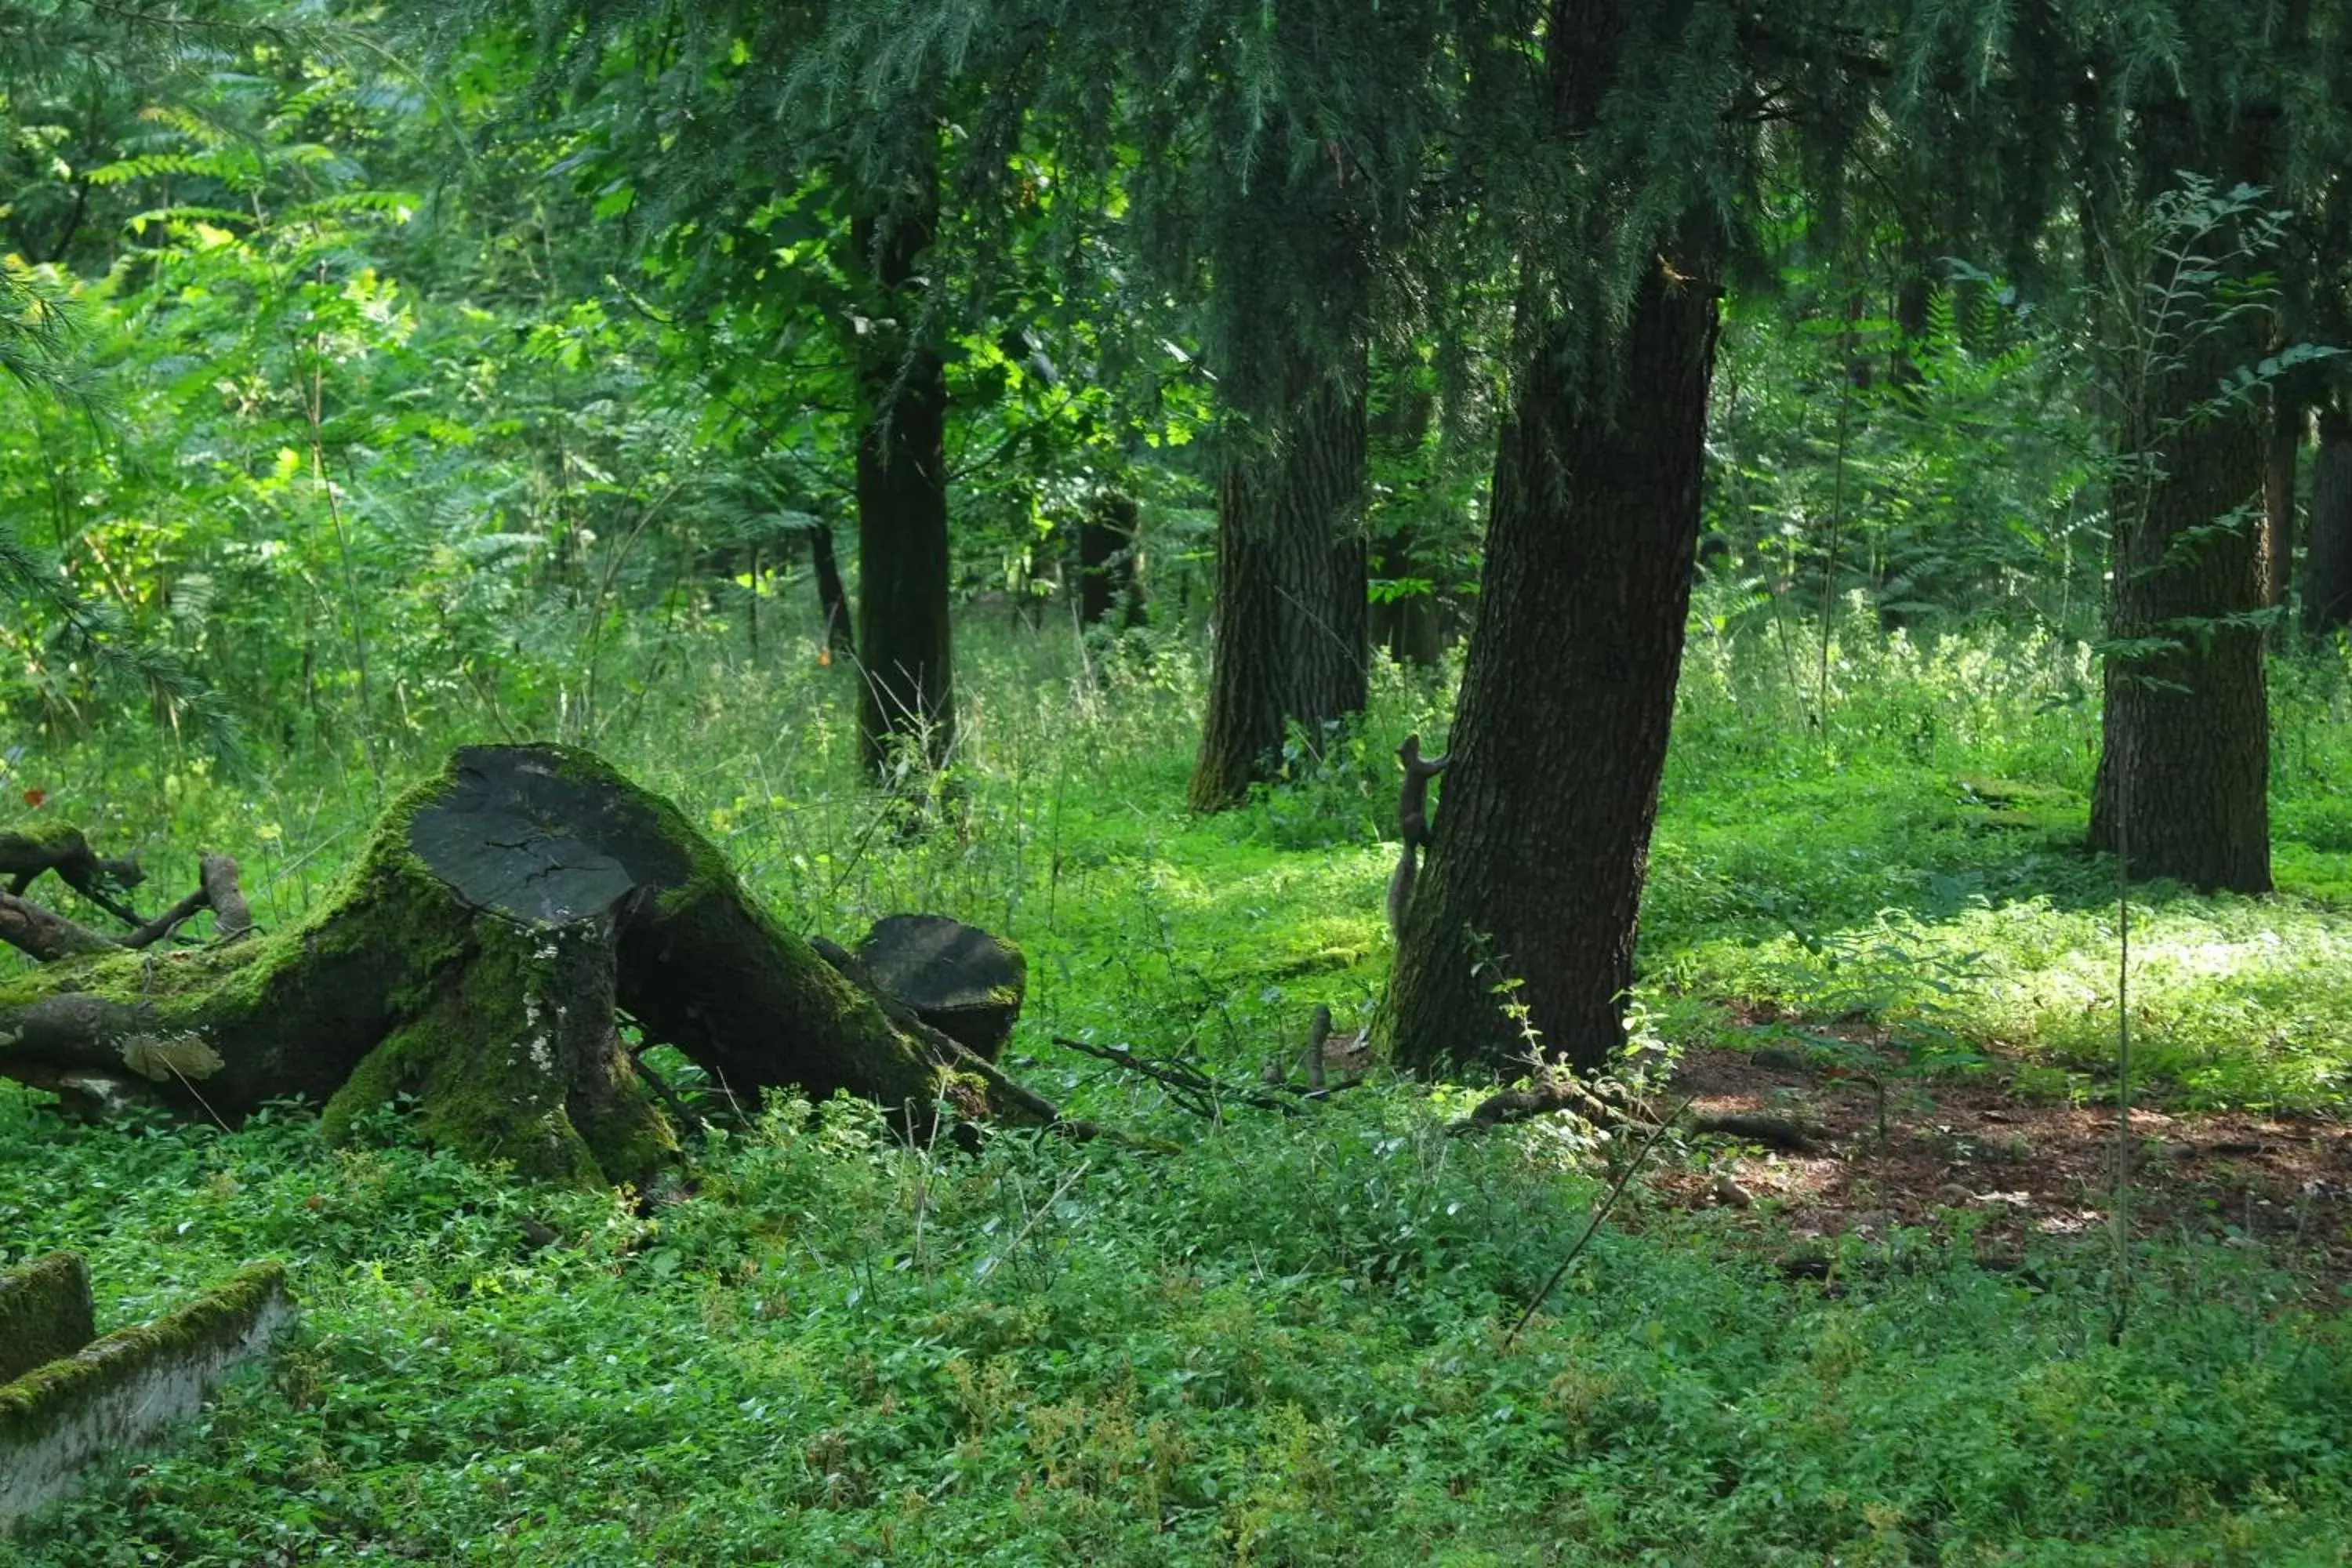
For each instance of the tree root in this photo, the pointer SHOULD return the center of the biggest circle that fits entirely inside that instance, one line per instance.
(46, 936)
(950, 1052)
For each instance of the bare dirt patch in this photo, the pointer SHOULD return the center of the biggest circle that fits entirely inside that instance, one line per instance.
(2018, 1169)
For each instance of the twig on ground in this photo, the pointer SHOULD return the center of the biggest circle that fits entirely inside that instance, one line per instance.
(1194, 1090)
(1572, 1094)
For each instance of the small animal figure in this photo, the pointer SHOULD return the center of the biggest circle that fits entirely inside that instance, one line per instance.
(1413, 825)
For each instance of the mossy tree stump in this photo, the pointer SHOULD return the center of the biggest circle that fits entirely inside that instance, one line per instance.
(475, 957)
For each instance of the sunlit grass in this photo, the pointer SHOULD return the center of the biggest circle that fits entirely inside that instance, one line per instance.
(1936, 820)
(1283, 1341)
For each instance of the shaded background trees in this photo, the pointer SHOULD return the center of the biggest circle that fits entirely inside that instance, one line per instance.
(491, 393)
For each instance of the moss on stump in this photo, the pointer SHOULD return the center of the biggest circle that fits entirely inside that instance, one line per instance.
(474, 957)
(118, 1391)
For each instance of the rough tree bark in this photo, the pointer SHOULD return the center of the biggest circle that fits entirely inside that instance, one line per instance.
(475, 956)
(1289, 621)
(2184, 763)
(1541, 840)
(902, 500)
(1292, 266)
(2327, 564)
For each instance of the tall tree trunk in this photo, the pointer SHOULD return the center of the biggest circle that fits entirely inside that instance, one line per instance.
(1108, 590)
(2184, 761)
(2283, 446)
(1289, 620)
(2327, 566)
(1541, 842)
(902, 506)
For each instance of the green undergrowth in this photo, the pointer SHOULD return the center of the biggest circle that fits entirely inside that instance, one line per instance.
(1285, 1342)
(1912, 852)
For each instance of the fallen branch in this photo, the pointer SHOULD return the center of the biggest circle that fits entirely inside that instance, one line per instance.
(686, 1116)
(1198, 1092)
(46, 936)
(1748, 1127)
(1561, 1092)
(167, 922)
(63, 850)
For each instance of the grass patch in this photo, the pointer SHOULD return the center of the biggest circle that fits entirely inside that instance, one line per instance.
(1280, 1342)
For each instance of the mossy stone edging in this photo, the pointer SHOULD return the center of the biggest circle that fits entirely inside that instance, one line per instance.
(45, 1312)
(115, 1392)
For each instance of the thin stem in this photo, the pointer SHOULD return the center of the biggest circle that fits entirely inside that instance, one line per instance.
(1608, 1203)
(313, 409)
(2121, 1202)
(1829, 566)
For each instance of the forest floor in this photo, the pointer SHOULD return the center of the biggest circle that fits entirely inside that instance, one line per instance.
(1970, 1157)
(1300, 1340)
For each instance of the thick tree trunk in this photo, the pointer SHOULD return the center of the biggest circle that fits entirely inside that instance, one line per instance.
(2328, 563)
(1108, 593)
(475, 957)
(908, 690)
(2184, 763)
(1292, 264)
(1289, 623)
(832, 604)
(1541, 841)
